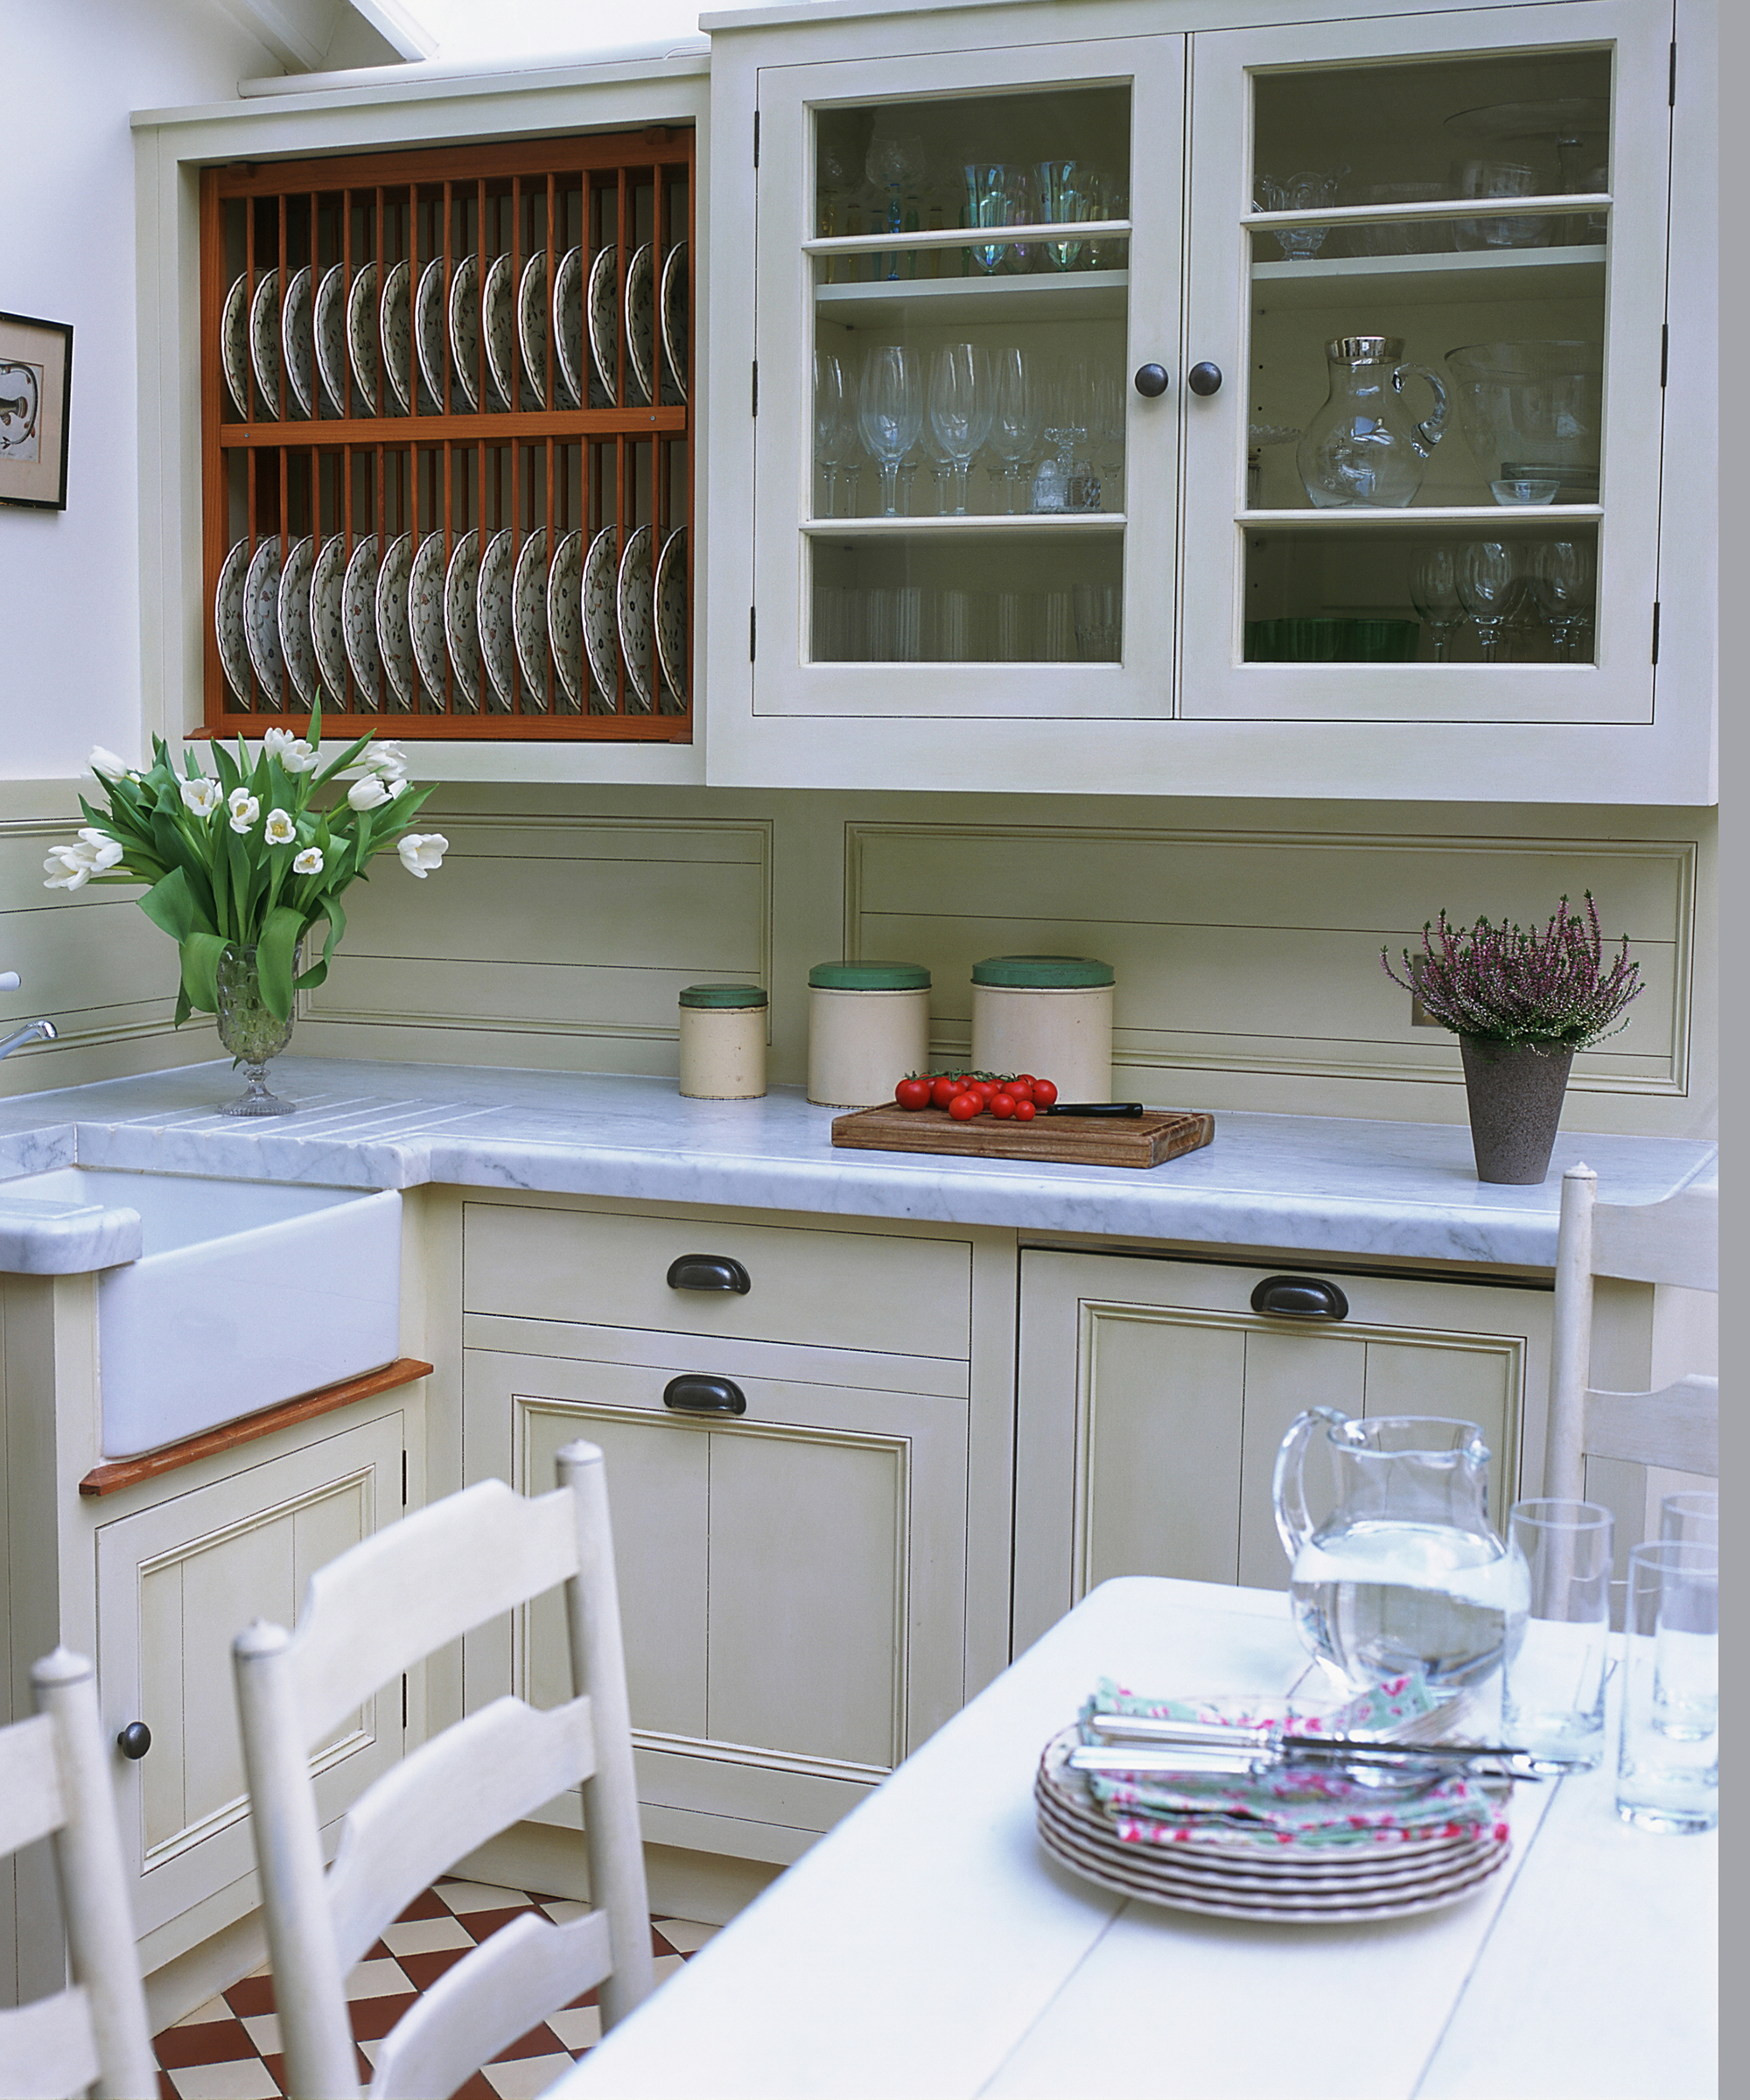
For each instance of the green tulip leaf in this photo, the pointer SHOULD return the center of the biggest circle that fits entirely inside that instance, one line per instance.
(200, 953)
(273, 959)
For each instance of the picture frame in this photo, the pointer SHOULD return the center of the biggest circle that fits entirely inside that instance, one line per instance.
(35, 385)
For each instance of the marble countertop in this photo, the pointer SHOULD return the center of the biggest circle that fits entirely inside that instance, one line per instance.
(1327, 1185)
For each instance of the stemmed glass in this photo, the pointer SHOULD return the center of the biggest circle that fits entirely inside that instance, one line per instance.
(1016, 411)
(1434, 592)
(890, 414)
(1106, 431)
(835, 438)
(1561, 582)
(960, 408)
(896, 167)
(1490, 581)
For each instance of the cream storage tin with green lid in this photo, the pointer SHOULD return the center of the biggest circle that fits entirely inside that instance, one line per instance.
(1049, 1015)
(722, 1042)
(868, 1027)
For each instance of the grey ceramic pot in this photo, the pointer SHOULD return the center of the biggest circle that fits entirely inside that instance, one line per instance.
(1515, 1092)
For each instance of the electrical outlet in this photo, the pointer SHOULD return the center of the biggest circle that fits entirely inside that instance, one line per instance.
(1419, 1015)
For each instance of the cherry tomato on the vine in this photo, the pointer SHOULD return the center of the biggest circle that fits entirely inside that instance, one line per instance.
(964, 1107)
(1003, 1104)
(1021, 1089)
(1024, 1079)
(1025, 1111)
(912, 1092)
(1044, 1092)
(943, 1090)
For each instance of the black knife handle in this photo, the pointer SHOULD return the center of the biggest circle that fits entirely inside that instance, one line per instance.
(1094, 1108)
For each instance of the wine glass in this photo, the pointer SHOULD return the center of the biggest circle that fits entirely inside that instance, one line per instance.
(890, 414)
(1434, 592)
(1561, 580)
(836, 439)
(896, 166)
(1106, 434)
(1015, 412)
(1490, 581)
(960, 408)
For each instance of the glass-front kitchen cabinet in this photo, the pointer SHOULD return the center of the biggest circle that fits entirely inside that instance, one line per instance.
(1131, 399)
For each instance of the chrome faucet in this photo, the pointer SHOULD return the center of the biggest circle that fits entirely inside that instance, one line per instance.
(32, 1032)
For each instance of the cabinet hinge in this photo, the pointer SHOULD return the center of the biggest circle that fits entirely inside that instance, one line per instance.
(756, 386)
(1671, 87)
(1664, 351)
(756, 121)
(753, 630)
(403, 1705)
(403, 1479)
(1656, 630)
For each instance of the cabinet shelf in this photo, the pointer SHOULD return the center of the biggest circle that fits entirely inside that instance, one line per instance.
(976, 521)
(1440, 279)
(1508, 517)
(1072, 295)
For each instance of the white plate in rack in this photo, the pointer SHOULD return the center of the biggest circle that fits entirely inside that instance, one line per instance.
(568, 327)
(395, 322)
(261, 619)
(327, 629)
(601, 618)
(634, 612)
(497, 325)
(359, 621)
(363, 351)
(641, 319)
(528, 619)
(565, 622)
(465, 327)
(601, 314)
(233, 343)
(671, 620)
(495, 618)
(292, 613)
(227, 621)
(331, 336)
(427, 329)
(394, 639)
(264, 351)
(531, 323)
(298, 346)
(425, 617)
(672, 317)
(461, 630)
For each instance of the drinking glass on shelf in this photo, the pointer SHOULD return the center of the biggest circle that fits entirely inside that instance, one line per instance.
(1498, 178)
(960, 408)
(1106, 434)
(1107, 199)
(990, 200)
(1490, 581)
(1063, 195)
(954, 627)
(1057, 622)
(1560, 577)
(1434, 592)
(895, 625)
(1097, 613)
(890, 414)
(835, 438)
(1668, 1772)
(1690, 1519)
(1552, 1683)
(930, 447)
(895, 168)
(1016, 411)
(1308, 192)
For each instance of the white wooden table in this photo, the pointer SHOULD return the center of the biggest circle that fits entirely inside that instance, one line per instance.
(927, 1947)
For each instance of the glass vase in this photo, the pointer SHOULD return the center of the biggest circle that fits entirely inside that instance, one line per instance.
(251, 1031)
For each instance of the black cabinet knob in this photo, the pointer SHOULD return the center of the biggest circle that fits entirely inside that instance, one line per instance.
(707, 1272)
(1151, 380)
(134, 1740)
(692, 1393)
(1205, 379)
(1300, 1297)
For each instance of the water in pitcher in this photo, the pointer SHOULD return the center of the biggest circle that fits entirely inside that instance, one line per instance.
(1385, 1596)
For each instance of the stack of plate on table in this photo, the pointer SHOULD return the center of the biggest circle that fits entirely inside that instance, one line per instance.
(400, 332)
(1286, 1845)
(485, 610)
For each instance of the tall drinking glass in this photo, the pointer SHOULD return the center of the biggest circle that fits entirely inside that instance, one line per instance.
(1489, 581)
(1690, 1519)
(1016, 411)
(1434, 592)
(989, 202)
(1063, 198)
(1668, 1772)
(1553, 1685)
(890, 414)
(960, 407)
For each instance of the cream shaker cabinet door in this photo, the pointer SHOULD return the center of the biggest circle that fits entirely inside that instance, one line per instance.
(175, 1583)
(792, 1580)
(1152, 1401)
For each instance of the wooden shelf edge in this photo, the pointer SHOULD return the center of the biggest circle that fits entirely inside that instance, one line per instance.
(117, 1473)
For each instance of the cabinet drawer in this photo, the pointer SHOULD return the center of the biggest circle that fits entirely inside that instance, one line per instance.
(833, 1289)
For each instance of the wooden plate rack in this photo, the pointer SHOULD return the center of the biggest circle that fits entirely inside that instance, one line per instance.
(445, 468)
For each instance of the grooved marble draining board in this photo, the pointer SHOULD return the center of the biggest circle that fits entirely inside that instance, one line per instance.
(1146, 1140)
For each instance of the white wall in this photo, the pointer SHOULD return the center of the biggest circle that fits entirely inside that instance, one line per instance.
(70, 616)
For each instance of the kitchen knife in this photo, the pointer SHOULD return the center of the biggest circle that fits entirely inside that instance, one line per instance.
(1094, 1108)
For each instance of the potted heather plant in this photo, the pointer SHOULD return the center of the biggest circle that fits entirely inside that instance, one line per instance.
(241, 864)
(1520, 1002)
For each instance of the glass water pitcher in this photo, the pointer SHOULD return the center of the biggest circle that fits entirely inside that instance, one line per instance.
(1406, 1573)
(1364, 447)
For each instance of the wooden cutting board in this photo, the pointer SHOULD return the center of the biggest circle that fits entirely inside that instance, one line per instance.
(1146, 1140)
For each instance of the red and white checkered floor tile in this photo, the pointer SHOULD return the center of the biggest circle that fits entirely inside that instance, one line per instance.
(229, 2049)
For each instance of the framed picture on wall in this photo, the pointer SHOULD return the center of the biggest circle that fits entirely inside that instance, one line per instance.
(36, 378)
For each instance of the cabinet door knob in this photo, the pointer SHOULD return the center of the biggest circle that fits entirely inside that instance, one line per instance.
(708, 1273)
(1151, 380)
(1300, 1297)
(1205, 379)
(692, 1393)
(134, 1740)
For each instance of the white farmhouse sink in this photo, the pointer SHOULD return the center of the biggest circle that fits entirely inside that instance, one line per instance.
(245, 1293)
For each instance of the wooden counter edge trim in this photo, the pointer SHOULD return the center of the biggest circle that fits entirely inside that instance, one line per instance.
(122, 1473)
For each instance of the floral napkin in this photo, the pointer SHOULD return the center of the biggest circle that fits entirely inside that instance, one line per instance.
(1287, 1804)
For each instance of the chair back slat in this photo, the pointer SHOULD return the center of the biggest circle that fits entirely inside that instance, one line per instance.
(524, 1971)
(31, 1804)
(464, 1786)
(1677, 1427)
(48, 2049)
(1675, 1242)
(415, 1586)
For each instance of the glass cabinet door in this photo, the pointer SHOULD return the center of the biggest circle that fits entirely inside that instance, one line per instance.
(1425, 294)
(964, 505)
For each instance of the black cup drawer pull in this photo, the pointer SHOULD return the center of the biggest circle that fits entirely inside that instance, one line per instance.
(134, 1740)
(708, 1273)
(692, 1393)
(1300, 1297)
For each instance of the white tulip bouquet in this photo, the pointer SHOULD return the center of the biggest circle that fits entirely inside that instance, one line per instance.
(252, 856)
